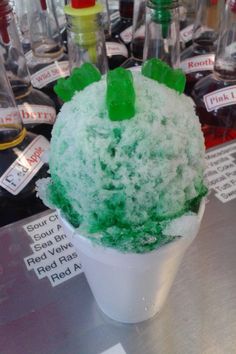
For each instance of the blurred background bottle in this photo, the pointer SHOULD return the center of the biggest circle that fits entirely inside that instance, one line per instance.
(37, 109)
(215, 94)
(20, 156)
(197, 60)
(86, 38)
(187, 17)
(49, 61)
(121, 28)
(162, 31)
(138, 35)
(117, 52)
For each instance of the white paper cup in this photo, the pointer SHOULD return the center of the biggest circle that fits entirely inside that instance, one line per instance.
(131, 287)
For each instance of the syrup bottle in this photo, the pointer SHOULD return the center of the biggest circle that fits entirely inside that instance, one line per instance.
(37, 109)
(162, 31)
(86, 39)
(49, 61)
(122, 27)
(117, 52)
(20, 154)
(138, 36)
(215, 94)
(187, 17)
(197, 60)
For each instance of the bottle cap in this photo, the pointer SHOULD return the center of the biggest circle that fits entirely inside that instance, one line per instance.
(81, 4)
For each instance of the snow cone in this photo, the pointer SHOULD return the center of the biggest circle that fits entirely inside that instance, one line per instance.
(127, 163)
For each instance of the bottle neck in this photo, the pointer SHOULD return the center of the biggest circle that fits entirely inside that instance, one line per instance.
(206, 26)
(138, 29)
(86, 41)
(162, 33)
(45, 36)
(126, 9)
(225, 60)
(12, 131)
(13, 57)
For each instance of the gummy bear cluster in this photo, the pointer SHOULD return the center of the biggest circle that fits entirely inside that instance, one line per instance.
(78, 80)
(121, 181)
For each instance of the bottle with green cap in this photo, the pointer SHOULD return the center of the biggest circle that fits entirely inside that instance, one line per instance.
(162, 31)
(86, 40)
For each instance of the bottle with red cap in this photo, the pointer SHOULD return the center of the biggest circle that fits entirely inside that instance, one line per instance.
(37, 109)
(86, 39)
(20, 156)
(197, 60)
(49, 61)
(215, 94)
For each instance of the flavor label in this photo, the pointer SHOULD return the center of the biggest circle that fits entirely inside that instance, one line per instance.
(221, 172)
(49, 74)
(54, 257)
(9, 115)
(29, 55)
(37, 114)
(198, 63)
(114, 48)
(24, 168)
(126, 35)
(114, 16)
(220, 98)
(186, 34)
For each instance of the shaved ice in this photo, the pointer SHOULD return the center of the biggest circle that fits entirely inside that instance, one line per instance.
(121, 183)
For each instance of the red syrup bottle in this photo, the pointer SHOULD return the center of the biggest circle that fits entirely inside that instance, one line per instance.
(197, 60)
(20, 160)
(215, 94)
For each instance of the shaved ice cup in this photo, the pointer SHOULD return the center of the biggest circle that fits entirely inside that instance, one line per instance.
(130, 287)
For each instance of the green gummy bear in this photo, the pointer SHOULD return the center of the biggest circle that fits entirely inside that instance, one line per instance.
(160, 71)
(84, 76)
(120, 95)
(64, 90)
(77, 81)
(176, 80)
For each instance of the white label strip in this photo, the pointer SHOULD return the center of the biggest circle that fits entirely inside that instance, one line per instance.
(186, 34)
(37, 114)
(117, 349)
(24, 168)
(221, 172)
(9, 115)
(220, 98)
(126, 35)
(50, 73)
(198, 63)
(113, 48)
(53, 255)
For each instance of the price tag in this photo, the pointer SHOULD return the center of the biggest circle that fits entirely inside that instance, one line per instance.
(50, 73)
(37, 114)
(24, 168)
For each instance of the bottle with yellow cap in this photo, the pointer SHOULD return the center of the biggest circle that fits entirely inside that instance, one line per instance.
(86, 40)
(20, 160)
